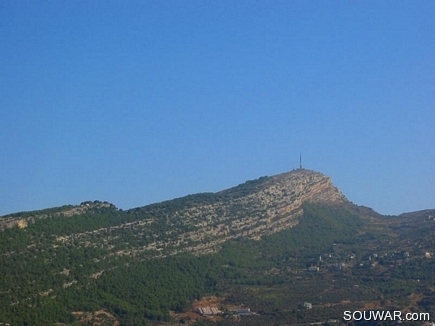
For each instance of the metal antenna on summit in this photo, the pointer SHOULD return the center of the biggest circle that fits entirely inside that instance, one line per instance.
(300, 161)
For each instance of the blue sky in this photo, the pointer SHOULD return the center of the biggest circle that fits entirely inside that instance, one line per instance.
(136, 102)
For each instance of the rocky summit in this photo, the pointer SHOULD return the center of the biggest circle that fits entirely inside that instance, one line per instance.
(279, 250)
(197, 223)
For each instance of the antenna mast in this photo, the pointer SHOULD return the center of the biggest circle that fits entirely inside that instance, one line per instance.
(300, 160)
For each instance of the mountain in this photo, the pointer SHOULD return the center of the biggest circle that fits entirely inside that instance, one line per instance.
(94, 263)
(195, 223)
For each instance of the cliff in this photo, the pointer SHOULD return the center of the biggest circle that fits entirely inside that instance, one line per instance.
(201, 223)
(196, 223)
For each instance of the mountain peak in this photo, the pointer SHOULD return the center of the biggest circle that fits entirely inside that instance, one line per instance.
(317, 186)
(253, 209)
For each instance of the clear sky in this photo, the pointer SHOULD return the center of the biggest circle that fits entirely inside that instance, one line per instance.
(135, 102)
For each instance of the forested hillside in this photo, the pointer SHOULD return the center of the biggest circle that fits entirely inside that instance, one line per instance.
(271, 251)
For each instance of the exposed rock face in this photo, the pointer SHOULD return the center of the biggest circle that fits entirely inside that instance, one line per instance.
(276, 204)
(201, 223)
(254, 209)
(22, 220)
(22, 224)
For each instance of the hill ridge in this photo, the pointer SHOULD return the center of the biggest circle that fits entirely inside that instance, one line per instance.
(53, 256)
(197, 223)
(256, 207)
